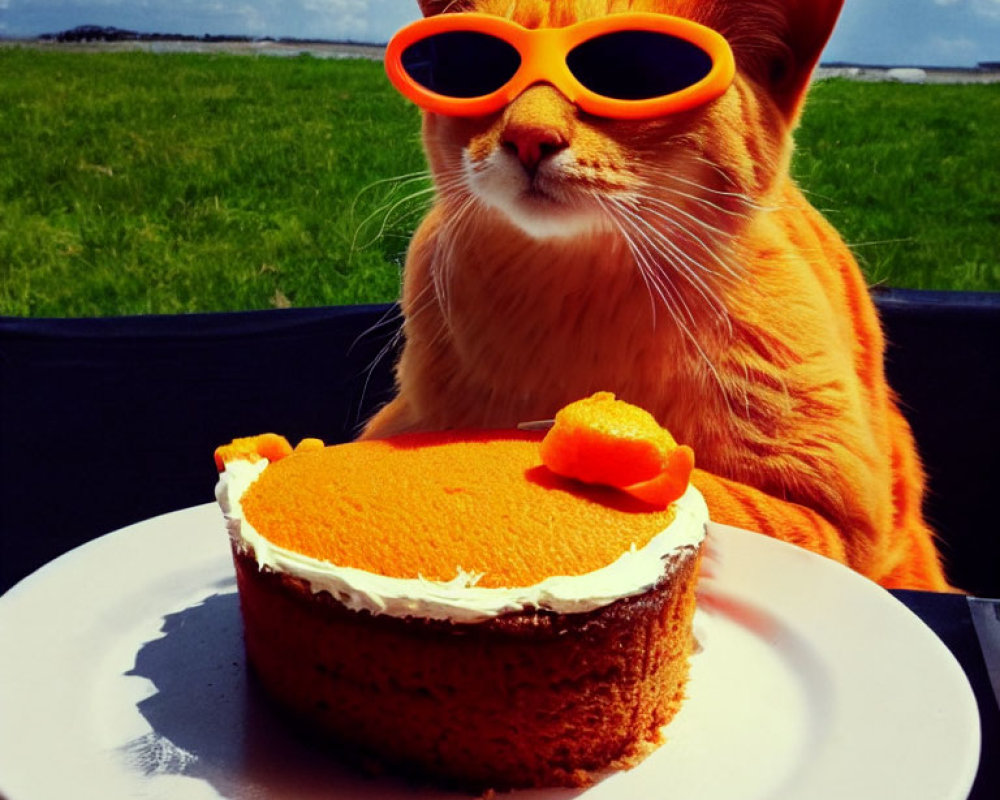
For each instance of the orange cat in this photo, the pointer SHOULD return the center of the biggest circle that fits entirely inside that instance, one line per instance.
(673, 262)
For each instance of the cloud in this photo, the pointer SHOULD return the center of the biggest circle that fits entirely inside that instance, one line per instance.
(983, 8)
(312, 18)
(917, 32)
(959, 48)
(987, 8)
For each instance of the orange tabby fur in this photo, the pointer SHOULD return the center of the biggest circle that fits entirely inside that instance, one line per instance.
(674, 262)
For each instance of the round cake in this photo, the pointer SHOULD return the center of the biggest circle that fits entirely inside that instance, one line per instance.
(488, 608)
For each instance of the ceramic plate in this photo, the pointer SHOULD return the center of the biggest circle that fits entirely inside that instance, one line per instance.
(122, 675)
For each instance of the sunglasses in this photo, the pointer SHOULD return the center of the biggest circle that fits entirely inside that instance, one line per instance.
(621, 66)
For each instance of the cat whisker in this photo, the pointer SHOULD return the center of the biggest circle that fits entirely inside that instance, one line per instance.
(652, 248)
(647, 200)
(704, 195)
(653, 288)
(454, 187)
(684, 264)
(669, 297)
(668, 176)
(441, 265)
(718, 170)
(386, 212)
(391, 316)
(729, 271)
(425, 301)
(418, 201)
(630, 225)
(647, 269)
(692, 150)
(647, 248)
(397, 180)
(704, 201)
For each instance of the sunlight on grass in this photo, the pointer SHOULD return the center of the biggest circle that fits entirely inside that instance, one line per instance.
(138, 183)
(150, 183)
(910, 176)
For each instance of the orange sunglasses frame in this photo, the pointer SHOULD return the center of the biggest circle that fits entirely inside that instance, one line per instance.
(543, 54)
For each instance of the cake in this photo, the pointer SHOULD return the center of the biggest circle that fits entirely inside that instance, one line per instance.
(492, 609)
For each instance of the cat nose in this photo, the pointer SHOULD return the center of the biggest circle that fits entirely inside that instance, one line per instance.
(532, 143)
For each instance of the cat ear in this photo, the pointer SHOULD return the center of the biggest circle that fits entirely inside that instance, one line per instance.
(432, 7)
(810, 24)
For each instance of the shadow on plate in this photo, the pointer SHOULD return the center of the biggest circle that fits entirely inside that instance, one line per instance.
(211, 723)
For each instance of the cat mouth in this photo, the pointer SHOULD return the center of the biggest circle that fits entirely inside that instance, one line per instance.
(542, 202)
(544, 214)
(539, 195)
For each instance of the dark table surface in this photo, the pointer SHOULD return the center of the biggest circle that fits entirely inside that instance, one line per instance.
(949, 617)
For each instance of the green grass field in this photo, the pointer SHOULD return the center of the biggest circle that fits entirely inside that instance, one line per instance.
(135, 183)
(910, 175)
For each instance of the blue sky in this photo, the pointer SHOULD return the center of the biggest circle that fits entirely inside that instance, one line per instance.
(904, 32)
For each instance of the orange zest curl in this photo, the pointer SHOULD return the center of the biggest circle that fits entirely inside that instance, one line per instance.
(253, 448)
(309, 445)
(606, 441)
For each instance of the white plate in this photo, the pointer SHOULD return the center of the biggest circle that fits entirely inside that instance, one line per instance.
(122, 675)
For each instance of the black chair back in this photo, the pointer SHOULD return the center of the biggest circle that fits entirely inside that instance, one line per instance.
(105, 422)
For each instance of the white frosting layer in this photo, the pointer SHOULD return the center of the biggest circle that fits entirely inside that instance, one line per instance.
(460, 600)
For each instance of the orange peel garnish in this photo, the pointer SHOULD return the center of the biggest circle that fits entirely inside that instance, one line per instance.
(253, 448)
(605, 441)
(309, 445)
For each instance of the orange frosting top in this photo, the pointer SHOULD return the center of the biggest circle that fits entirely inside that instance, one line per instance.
(490, 503)
(429, 504)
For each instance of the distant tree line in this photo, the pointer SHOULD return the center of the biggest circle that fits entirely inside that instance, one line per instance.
(109, 33)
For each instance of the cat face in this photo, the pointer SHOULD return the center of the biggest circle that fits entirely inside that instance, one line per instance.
(689, 179)
(546, 169)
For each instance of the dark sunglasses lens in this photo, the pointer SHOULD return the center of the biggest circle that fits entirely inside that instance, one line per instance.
(461, 63)
(638, 65)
